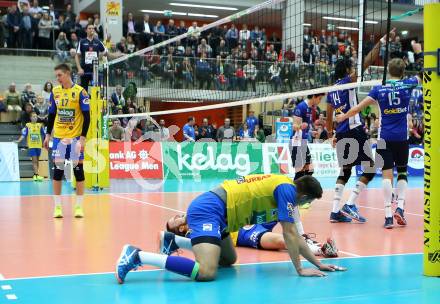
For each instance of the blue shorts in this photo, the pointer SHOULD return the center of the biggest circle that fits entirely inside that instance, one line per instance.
(34, 152)
(206, 218)
(61, 151)
(250, 236)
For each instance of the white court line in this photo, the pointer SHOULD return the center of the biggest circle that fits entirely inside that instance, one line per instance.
(235, 265)
(2, 277)
(6, 287)
(373, 208)
(146, 203)
(349, 253)
(11, 297)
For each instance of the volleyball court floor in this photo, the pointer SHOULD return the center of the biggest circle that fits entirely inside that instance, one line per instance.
(46, 260)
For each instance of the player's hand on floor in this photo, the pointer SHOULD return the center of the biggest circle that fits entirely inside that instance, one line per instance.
(328, 267)
(311, 272)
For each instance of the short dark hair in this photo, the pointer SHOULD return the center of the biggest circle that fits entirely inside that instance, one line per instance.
(315, 95)
(63, 67)
(190, 118)
(310, 186)
(341, 67)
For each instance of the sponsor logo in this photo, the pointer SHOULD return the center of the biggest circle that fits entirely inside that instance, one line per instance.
(434, 257)
(242, 179)
(395, 111)
(207, 227)
(290, 209)
(416, 158)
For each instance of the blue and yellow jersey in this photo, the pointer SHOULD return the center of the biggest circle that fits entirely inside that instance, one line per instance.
(258, 199)
(68, 105)
(34, 133)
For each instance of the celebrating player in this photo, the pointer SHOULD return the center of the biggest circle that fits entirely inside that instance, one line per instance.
(352, 144)
(253, 199)
(393, 147)
(69, 117)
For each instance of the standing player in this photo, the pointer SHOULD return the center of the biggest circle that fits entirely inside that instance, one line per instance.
(253, 199)
(34, 133)
(69, 118)
(393, 100)
(302, 120)
(89, 49)
(352, 144)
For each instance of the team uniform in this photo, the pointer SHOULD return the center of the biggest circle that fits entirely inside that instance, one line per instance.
(342, 101)
(393, 99)
(300, 151)
(89, 51)
(250, 235)
(34, 134)
(68, 106)
(253, 199)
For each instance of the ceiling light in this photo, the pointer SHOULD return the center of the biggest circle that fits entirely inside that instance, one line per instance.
(205, 6)
(371, 22)
(404, 33)
(202, 15)
(162, 12)
(307, 24)
(347, 28)
(339, 19)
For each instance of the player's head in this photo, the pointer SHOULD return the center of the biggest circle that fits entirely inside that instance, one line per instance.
(177, 225)
(308, 189)
(90, 30)
(63, 73)
(316, 98)
(396, 67)
(34, 117)
(343, 68)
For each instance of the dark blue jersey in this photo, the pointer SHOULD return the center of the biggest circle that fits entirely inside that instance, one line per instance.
(305, 112)
(89, 50)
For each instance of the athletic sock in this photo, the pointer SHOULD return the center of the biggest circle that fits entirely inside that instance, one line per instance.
(339, 191)
(183, 242)
(387, 193)
(57, 200)
(401, 190)
(355, 193)
(177, 264)
(79, 200)
(298, 223)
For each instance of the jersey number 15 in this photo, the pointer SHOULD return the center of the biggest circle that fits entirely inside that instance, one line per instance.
(393, 98)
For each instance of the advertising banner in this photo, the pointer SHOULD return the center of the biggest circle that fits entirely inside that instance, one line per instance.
(9, 168)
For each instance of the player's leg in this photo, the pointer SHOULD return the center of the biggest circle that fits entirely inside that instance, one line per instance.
(35, 167)
(77, 158)
(336, 216)
(59, 151)
(400, 155)
(228, 255)
(387, 182)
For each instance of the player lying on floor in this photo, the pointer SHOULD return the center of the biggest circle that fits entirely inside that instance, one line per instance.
(258, 236)
(232, 205)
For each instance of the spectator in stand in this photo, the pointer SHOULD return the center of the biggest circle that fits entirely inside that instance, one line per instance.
(129, 26)
(187, 72)
(232, 36)
(13, 21)
(250, 74)
(122, 45)
(285, 111)
(289, 55)
(276, 42)
(159, 32)
(323, 37)
(320, 134)
(79, 29)
(26, 29)
(98, 28)
(396, 48)
(369, 45)
(206, 131)
(415, 131)
(189, 133)
(307, 39)
(28, 96)
(169, 70)
(136, 133)
(45, 28)
(226, 133)
(26, 114)
(259, 134)
(69, 12)
(164, 132)
(245, 132)
(47, 90)
(193, 32)
(214, 39)
(116, 131)
(203, 72)
(255, 36)
(68, 26)
(52, 12)
(244, 36)
(42, 110)
(62, 46)
(146, 30)
(252, 121)
(274, 74)
(223, 50)
(35, 8)
(117, 99)
(263, 41)
(321, 121)
(240, 81)
(203, 47)
(130, 107)
(271, 54)
(12, 101)
(171, 29)
(131, 46)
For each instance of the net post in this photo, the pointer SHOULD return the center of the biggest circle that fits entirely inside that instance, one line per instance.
(431, 93)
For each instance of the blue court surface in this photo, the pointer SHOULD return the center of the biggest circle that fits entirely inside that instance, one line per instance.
(381, 279)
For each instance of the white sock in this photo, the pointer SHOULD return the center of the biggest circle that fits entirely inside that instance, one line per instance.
(57, 200)
(339, 191)
(355, 193)
(387, 193)
(183, 242)
(401, 190)
(79, 200)
(297, 219)
(153, 259)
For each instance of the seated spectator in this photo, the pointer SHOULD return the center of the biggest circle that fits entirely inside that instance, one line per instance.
(285, 111)
(122, 46)
(240, 82)
(193, 34)
(159, 32)
(12, 101)
(129, 26)
(189, 133)
(259, 134)
(136, 133)
(321, 121)
(130, 107)
(42, 110)
(164, 132)
(223, 50)
(47, 90)
(117, 99)
(203, 72)
(250, 74)
(116, 131)
(74, 41)
(252, 121)
(203, 47)
(271, 54)
(206, 131)
(274, 74)
(232, 36)
(220, 79)
(226, 133)
(28, 96)
(244, 132)
(415, 131)
(131, 47)
(171, 29)
(275, 41)
(244, 36)
(62, 46)
(255, 36)
(187, 72)
(320, 134)
(26, 114)
(169, 69)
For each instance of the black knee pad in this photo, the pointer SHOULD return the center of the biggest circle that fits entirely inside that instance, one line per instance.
(58, 174)
(78, 171)
(402, 173)
(368, 176)
(345, 176)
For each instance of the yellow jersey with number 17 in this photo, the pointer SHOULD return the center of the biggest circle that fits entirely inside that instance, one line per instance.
(68, 105)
